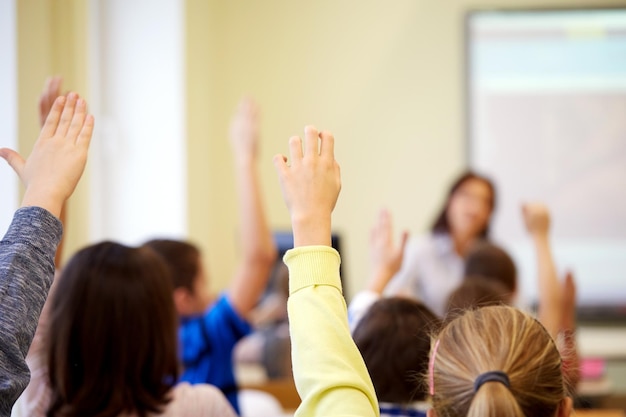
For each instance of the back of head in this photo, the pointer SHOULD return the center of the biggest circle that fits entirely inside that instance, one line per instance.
(112, 346)
(492, 262)
(501, 339)
(478, 291)
(182, 259)
(394, 340)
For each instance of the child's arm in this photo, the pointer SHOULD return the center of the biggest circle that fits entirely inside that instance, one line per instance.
(537, 220)
(329, 372)
(50, 175)
(386, 259)
(571, 361)
(257, 245)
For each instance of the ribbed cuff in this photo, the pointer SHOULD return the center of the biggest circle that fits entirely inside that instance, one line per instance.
(312, 265)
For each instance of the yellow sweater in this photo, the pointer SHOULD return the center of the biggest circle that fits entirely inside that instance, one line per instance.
(330, 374)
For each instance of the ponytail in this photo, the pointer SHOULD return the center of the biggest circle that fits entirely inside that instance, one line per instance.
(495, 361)
(494, 400)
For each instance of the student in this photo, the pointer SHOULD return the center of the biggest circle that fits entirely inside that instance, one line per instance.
(109, 342)
(209, 331)
(392, 334)
(433, 263)
(50, 175)
(394, 340)
(496, 361)
(329, 372)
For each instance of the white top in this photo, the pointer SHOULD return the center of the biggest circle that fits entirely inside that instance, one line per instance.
(430, 272)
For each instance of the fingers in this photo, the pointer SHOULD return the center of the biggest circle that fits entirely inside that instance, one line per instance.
(84, 137)
(403, 240)
(327, 147)
(311, 138)
(78, 120)
(52, 121)
(295, 149)
(67, 114)
(13, 159)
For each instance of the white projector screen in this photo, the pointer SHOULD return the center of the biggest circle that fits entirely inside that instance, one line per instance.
(546, 104)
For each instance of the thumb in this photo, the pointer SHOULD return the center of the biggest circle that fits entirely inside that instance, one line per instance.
(14, 160)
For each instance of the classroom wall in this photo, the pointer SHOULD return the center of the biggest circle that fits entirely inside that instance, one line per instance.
(385, 77)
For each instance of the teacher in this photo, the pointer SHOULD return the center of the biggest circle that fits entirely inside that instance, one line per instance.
(433, 263)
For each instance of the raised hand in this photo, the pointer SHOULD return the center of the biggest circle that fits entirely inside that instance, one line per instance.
(244, 130)
(536, 218)
(386, 257)
(310, 185)
(58, 159)
(51, 90)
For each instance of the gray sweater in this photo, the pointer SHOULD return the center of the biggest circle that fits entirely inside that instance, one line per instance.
(26, 271)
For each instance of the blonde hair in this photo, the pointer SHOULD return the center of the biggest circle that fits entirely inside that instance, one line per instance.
(498, 338)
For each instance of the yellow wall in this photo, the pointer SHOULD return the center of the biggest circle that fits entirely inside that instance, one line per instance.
(385, 77)
(52, 39)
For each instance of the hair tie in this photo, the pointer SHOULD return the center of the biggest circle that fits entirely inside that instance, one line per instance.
(491, 376)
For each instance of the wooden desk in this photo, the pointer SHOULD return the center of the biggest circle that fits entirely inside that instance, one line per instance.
(598, 413)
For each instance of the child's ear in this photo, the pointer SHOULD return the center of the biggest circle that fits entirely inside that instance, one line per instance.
(431, 413)
(182, 301)
(565, 407)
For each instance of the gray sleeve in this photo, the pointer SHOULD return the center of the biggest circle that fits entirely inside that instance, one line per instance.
(26, 271)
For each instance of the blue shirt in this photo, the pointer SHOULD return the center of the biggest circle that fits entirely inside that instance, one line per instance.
(417, 409)
(207, 344)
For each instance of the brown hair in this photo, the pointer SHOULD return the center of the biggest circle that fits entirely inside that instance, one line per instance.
(492, 262)
(393, 337)
(182, 259)
(477, 291)
(441, 224)
(496, 339)
(112, 345)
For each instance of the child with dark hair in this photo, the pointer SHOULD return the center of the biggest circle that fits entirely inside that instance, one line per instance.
(392, 334)
(394, 340)
(50, 175)
(478, 291)
(209, 329)
(108, 345)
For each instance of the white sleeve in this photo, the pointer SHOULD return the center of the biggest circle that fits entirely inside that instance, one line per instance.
(360, 305)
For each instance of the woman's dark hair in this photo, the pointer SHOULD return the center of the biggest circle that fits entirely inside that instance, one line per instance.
(441, 224)
(112, 343)
(492, 262)
(394, 340)
(182, 260)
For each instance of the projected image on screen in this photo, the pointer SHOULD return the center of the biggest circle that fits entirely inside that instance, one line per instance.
(547, 118)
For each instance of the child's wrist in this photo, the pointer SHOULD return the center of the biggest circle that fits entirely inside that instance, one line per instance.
(45, 200)
(311, 229)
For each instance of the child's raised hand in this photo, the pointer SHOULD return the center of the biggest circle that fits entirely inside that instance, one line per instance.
(244, 130)
(386, 257)
(58, 159)
(310, 185)
(536, 218)
(51, 90)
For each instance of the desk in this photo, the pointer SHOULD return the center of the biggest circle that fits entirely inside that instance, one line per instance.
(598, 413)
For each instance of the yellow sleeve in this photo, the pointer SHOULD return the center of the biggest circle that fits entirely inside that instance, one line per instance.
(328, 369)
